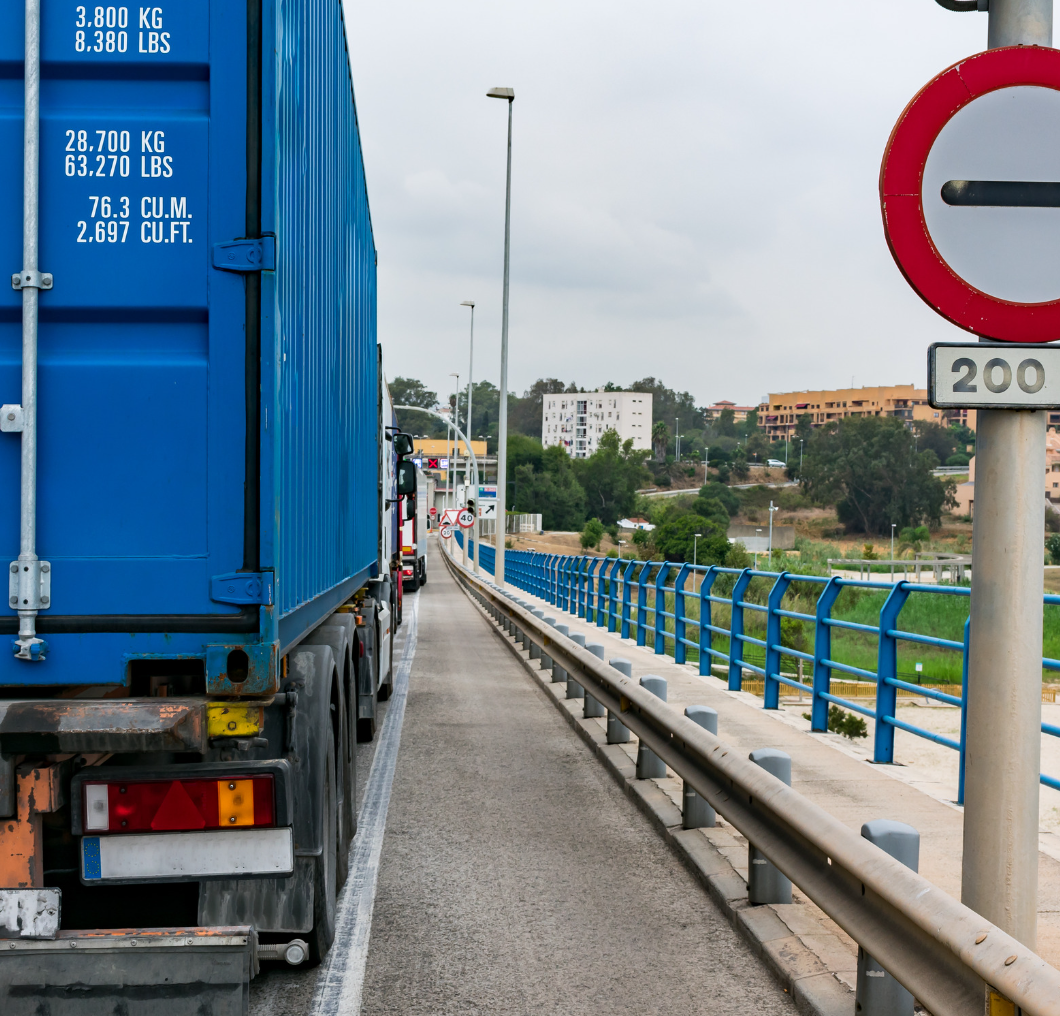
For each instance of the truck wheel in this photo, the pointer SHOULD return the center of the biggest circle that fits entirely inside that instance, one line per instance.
(423, 572)
(325, 882)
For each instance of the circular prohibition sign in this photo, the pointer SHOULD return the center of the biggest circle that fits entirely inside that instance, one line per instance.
(984, 253)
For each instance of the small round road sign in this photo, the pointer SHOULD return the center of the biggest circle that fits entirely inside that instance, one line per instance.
(445, 532)
(465, 519)
(432, 511)
(970, 192)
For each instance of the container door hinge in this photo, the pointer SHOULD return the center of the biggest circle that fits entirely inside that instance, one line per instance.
(29, 585)
(242, 588)
(11, 419)
(258, 255)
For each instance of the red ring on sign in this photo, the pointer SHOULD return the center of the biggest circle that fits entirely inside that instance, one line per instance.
(901, 194)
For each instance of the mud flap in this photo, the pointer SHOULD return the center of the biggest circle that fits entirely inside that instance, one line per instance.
(138, 972)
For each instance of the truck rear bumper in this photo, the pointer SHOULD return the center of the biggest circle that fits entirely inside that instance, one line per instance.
(141, 972)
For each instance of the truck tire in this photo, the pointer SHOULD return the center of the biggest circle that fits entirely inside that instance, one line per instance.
(423, 571)
(325, 880)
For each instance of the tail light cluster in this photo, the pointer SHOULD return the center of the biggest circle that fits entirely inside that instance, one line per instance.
(169, 805)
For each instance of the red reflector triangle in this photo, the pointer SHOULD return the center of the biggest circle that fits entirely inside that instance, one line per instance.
(177, 811)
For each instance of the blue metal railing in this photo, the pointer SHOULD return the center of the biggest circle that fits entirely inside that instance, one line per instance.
(632, 598)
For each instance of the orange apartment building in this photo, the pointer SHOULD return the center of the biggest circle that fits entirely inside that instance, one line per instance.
(780, 414)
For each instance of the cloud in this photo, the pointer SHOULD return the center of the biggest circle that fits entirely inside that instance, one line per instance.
(694, 187)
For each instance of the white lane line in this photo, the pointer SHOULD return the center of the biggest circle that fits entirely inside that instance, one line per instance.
(342, 980)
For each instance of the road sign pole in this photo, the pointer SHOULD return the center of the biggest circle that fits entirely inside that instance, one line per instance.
(999, 877)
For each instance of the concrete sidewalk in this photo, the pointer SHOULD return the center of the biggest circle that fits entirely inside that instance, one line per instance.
(830, 771)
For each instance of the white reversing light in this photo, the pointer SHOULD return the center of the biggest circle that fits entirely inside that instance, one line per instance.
(97, 807)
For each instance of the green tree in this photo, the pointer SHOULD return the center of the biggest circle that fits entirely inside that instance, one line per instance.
(524, 450)
(676, 540)
(660, 440)
(525, 413)
(669, 405)
(711, 508)
(726, 425)
(552, 491)
(722, 493)
(407, 391)
(870, 470)
(592, 534)
(1053, 546)
(941, 440)
(611, 476)
(740, 469)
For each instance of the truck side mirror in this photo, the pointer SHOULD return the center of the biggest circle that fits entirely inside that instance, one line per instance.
(406, 476)
(402, 444)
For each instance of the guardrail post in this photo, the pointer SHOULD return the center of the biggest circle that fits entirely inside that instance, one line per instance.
(773, 658)
(697, 814)
(617, 731)
(887, 667)
(558, 673)
(546, 660)
(642, 603)
(739, 587)
(660, 606)
(575, 690)
(878, 993)
(706, 618)
(679, 614)
(822, 651)
(535, 652)
(592, 707)
(649, 765)
(765, 883)
(964, 713)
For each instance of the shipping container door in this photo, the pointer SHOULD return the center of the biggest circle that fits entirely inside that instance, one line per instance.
(141, 407)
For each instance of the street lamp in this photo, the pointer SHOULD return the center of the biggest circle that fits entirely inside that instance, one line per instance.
(893, 524)
(757, 538)
(771, 510)
(695, 555)
(800, 458)
(677, 439)
(470, 368)
(508, 94)
(456, 441)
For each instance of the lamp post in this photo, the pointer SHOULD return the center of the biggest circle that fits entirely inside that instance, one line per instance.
(800, 458)
(677, 439)
(508, 94)
(695, 558)
(758, 536)
(892, 552)
(771, 510)
(474, 480)
(450, 472)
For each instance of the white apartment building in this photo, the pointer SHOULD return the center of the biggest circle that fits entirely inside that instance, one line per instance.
(578, 420)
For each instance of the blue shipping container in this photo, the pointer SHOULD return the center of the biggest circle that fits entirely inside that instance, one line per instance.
(205, 217)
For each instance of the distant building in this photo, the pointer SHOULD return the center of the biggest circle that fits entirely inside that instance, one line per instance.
(965, 492)
(577, 420)
(780, 413)
(739, 413)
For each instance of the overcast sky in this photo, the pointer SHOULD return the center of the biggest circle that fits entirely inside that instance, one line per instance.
(695, 187)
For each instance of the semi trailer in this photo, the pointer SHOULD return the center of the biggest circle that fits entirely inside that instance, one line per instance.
(199, 498)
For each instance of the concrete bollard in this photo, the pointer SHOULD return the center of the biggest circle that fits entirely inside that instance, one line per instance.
(575, 690)
(539, 614)
(697, 813)
(765, 883)
(558, 673)
(878, 993)
(592, 707)
(617, 731)
(649, 765)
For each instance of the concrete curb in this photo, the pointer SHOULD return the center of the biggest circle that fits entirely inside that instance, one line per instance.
(776, 934)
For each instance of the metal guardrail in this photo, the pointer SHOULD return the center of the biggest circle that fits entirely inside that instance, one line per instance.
(633, 598)
(948, 956)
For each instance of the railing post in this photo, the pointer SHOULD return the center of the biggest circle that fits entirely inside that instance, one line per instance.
(706, 619)
(642, 604)
(887, 666)
(736, 629)
(564, 572)
(660, 606)
(964, 713)
(583, 568)
(679, 613)
(590, 589)
(603, 600)
(771, 694)
(612, 596)
(822, 650)
(618, 732)
(627, 593)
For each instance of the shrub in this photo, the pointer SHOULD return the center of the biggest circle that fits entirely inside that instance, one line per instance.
(592, 534)
(842, 722)
(1053, 546)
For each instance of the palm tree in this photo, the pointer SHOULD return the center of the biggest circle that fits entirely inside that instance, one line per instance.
(660, 438)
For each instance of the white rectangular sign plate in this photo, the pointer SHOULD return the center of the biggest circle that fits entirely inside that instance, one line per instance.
(993, 375)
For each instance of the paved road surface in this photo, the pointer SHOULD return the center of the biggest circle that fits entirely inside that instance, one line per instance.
(515, 876)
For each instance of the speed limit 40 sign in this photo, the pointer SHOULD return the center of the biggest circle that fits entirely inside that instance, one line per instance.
(993, 375)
